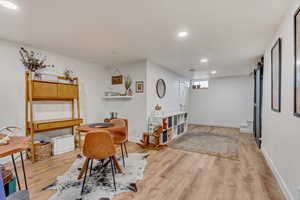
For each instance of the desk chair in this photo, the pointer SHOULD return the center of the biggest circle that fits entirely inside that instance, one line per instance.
(98, 145)
(120, 135)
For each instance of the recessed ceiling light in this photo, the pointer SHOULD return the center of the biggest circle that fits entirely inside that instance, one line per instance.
(8, 4)
(182, 34)
(204, 60)
(213, 72)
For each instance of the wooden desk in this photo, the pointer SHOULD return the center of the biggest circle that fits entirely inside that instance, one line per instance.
(86, 129)
(16, 144)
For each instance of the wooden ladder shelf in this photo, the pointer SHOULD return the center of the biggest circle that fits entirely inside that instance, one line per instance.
(38, 90)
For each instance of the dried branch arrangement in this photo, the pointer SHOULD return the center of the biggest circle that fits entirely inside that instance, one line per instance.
(128, 82)
(69, 73)
(33, 61)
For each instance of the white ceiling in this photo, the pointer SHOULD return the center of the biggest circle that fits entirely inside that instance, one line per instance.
(231, 33)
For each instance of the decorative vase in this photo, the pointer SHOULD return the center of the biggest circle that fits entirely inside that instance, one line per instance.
(67, 75)
(129, 92)
(157, 107)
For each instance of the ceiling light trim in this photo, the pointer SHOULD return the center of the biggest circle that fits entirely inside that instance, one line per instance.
(8, 5)
(182, 34)
(204, 60)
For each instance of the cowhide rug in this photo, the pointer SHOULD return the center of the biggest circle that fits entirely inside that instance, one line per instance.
(100, 184)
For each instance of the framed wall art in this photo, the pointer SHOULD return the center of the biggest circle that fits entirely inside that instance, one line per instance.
(276, 76)
(117, 80)
(297, 64)
(139, 86)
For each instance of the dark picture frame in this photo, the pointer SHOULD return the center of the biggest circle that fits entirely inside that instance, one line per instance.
(117, 80)
(297, 63)
(139, 87)
(276, 76)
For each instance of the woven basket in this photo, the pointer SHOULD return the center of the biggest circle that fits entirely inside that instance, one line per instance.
(42, 151)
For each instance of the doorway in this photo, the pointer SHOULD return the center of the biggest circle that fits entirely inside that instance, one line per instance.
(258, 96)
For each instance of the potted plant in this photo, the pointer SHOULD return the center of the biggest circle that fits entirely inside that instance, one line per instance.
(33, 61)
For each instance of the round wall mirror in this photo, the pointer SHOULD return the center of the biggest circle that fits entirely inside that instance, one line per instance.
(160, 88)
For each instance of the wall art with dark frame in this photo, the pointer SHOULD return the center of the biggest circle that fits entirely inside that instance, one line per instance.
(297, 64)
(276, 76)
(139, 86)
(117, 80)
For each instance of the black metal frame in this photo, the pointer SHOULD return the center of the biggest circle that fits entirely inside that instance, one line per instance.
(261, 79)
(258, 135)
(84, 179)
(254, 107)
(16, 171)
(91, 168)
(295, 64)
(123, 153)
(126, 150)
(112, 163)
(113, 170)
(257, 113)
(277, 44)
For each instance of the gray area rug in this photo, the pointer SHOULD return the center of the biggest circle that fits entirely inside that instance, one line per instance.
(216, 144)
(100, 184)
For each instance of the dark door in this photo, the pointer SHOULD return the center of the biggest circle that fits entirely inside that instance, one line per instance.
(258, 94)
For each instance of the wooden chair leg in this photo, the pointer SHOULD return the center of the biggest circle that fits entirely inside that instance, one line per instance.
(82, 189)
(123, 155)
(113, 172)
(126, 150)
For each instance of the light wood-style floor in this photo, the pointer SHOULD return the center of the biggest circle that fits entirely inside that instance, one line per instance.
(178, 175)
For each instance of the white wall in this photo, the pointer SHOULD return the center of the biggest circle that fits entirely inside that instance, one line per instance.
(281, 131)
(176, 93)
(138, 109)
(133, 109)
(227, 102)
(94, 81)
(12, 89)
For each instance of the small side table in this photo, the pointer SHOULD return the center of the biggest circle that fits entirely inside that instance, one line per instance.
(16, 144)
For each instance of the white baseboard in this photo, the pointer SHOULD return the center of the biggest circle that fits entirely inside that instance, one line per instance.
(246, 131)
(216, 124)
(135, 140)
(287, 193)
